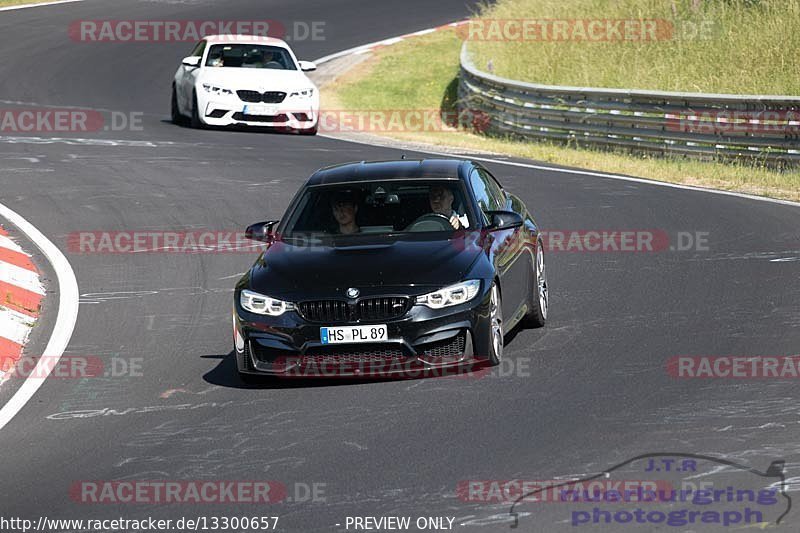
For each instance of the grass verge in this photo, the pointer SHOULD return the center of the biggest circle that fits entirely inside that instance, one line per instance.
(421, 73)
(712, 46)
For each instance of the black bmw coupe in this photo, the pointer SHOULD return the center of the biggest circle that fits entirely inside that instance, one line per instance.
(390, 268)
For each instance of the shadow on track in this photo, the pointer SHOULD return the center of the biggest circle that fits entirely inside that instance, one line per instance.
(225, 375)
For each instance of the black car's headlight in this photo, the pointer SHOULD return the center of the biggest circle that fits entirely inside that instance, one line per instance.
(453, 295)
(263, 305)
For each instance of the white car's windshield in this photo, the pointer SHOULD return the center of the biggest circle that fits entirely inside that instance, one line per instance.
(250, 56)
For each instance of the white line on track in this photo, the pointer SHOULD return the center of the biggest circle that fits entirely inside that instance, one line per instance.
(572, 171)
(65, 319)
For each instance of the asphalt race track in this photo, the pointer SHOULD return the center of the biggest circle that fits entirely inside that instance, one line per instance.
(588, 391)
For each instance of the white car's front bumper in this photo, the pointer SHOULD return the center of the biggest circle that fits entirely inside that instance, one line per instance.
(289, 114)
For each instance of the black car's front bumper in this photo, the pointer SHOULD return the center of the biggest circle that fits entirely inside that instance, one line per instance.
(423, 342)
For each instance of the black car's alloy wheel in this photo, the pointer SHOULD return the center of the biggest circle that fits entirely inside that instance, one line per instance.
(496, 326)
(540, 299)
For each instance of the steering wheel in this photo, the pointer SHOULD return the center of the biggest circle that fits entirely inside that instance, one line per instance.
(431, 222)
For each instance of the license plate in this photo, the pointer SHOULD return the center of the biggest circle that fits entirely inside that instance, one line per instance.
(260, 110)
(351, 334)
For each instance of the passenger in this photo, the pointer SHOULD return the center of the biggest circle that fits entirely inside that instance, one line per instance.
(345, 207)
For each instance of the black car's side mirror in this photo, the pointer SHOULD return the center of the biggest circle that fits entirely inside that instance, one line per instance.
(504, 220)
(261, 231)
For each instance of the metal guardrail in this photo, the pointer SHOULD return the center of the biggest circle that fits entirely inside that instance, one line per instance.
(707, 126)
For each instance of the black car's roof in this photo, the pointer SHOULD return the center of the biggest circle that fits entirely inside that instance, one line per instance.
(445, 169)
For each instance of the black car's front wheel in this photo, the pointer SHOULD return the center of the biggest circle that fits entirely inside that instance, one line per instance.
(495, 326)
(540, 298)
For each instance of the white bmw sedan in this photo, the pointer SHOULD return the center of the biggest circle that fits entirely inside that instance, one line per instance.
(245, 80)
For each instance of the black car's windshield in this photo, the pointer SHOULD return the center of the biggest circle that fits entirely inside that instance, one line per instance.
(250, 56)
(380, 208)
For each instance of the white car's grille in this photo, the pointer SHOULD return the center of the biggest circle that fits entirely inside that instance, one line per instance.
(269, 97)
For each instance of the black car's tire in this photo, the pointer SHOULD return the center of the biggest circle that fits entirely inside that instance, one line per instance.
(196, 122)
(177, 118)
(495, 326)
(539, 297)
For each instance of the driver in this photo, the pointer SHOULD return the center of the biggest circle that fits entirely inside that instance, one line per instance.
(345, 206)
(441, 200)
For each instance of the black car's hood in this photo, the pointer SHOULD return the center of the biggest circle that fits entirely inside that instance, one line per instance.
(288, 270)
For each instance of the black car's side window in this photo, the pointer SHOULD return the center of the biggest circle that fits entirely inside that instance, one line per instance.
(488, 194)
(494, 188)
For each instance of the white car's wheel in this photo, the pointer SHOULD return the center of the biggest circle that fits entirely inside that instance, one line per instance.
(196, 121)
(177, 117)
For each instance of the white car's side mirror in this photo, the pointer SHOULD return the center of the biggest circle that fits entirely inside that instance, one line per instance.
(191, 61)
(307, 66)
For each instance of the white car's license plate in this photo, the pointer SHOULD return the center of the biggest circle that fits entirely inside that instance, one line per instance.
(349, 334)
(260, 110)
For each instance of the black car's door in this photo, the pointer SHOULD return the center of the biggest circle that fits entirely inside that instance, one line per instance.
(505, 247)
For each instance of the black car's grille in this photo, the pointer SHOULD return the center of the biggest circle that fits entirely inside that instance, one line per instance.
(269, 97)
(331, 361)
(381, 308)
(361, 354)
(368, 309)
(444, 351)
(260, 118)
(325, 311)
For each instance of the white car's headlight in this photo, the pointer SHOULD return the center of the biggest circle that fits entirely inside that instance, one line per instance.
(303, 93)
(453, 295)
(264, 305)
(213, 89)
